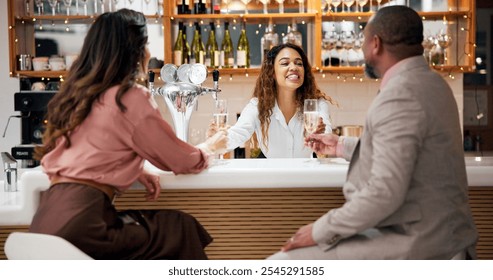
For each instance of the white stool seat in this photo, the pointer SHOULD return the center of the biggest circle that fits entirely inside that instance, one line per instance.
(37, 246)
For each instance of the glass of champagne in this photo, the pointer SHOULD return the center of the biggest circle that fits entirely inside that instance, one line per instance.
(220, 116)
(310, 117)
(245, 2)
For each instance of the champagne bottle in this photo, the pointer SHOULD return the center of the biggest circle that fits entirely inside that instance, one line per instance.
(227, 59)
(178, 48)
(211, 49)
(243, 49)
(269, 40)
(198, 49)
(293, 36)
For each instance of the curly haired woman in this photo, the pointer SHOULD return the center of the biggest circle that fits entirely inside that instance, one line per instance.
(275, 113)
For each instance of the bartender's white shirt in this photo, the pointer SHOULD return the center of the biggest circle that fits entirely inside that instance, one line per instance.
(286, 139)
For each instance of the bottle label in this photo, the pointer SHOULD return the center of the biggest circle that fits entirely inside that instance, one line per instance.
(231, 61)
(208, 61)
(217, 55)
(221, 58)
(201, 57)
(177, 57)
(241, 58)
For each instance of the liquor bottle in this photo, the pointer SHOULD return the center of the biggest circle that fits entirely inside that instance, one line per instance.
(211, 49)
(269, 40)
(178, 48)
(227, 59)
(243, 49)
(240, 151)
(198, 49)
(199, 7)
(293, 36)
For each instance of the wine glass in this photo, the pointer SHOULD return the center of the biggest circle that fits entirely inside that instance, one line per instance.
(101, 2)
(361, 4)
(358, 44)
(245, 2)
(444, 40)
(329, 43)
(310, 117)
(265, 2)
(336, 3)
(84, 2)
(220, 115)
(281, 6)
(347, 39)
(53, 6)
(67, 4)
(428, 44)
(348, 4)
(378, 4)
(39, 5)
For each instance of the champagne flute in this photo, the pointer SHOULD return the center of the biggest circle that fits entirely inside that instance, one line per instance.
(378, 4)
(310, 117)
(84, 2)
(226, 2)
(220, 116)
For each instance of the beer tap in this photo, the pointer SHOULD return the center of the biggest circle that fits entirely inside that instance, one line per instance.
(181, 92)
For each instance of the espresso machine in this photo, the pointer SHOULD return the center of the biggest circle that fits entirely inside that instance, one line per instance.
(32, 106)
(181, 92)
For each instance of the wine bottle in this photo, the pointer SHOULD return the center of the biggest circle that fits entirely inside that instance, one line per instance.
(216, 6)
(211, 49)
(293, 36)
(243, 49)
(178, 48)
(198, 49)
(269, 40)
(183, 7)
(227, 59)
(186, 46)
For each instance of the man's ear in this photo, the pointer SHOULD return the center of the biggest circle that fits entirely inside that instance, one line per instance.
(377, 45)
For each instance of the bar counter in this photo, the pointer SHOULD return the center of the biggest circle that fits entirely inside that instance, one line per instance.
(250, 206)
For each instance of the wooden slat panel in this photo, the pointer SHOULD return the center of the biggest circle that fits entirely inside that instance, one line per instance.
(254, 223)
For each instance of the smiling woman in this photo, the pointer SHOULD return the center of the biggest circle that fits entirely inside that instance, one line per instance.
(275, 112)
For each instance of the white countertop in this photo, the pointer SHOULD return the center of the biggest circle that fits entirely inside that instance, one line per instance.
(17, 208)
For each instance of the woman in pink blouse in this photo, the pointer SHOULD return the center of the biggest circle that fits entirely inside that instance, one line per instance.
(101, 127)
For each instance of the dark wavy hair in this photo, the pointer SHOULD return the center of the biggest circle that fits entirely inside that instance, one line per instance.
(113, 53)
(266, 87)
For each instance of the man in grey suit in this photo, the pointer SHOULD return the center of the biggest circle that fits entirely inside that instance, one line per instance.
(406, 188)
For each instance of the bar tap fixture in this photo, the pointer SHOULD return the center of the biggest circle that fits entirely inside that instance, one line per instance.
(10, 172)
(181, 91)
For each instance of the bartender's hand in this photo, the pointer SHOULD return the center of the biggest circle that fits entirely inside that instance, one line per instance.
(322, 143)
(320, 127)
(302, 238)
(213, 129)
(151, 183)
(216, 144)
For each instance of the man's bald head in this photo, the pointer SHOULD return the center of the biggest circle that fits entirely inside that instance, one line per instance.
(400, 29)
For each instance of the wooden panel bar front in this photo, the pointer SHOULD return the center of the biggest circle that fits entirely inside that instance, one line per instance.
(254, 223)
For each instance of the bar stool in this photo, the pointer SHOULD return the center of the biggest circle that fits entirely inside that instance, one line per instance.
(37, 246)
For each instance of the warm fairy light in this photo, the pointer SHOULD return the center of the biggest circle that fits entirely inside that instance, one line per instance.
(423, 17)
(67, 29)
(359, 17)
(302, 22)
(323, 75)
(259, 25)
(22, 22)
(338, 77)
(246, 74)
(34, 19)
(16, 40)
(10, 27)
(230, 77)
(172, 18)
(361, 79)
(465, 16)
(201, 22)
(42, 78)
(66, 21)
(256, 32)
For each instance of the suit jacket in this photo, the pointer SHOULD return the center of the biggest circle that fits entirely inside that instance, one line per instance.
(406, 188)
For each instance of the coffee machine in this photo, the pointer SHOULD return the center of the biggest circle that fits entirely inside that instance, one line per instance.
(32, 106)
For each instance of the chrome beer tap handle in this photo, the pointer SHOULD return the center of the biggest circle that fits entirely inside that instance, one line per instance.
(10, 171)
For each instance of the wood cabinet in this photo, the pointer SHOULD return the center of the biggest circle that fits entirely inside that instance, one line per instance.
(458, 19)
